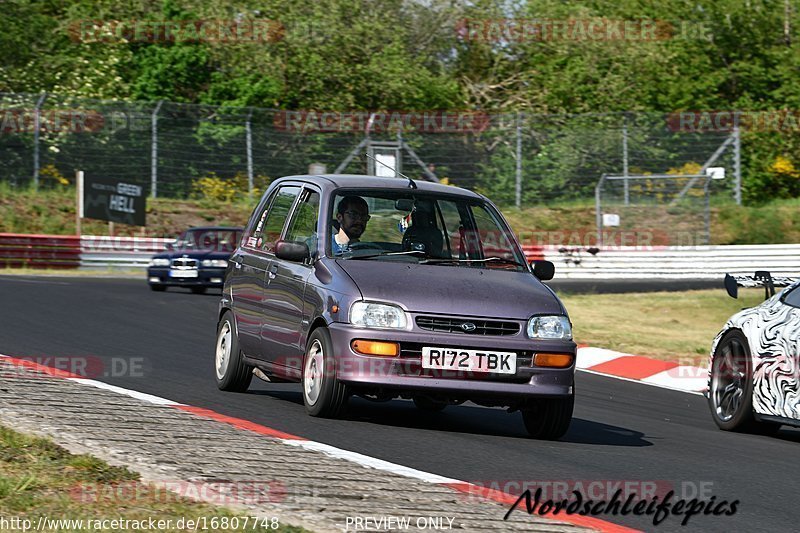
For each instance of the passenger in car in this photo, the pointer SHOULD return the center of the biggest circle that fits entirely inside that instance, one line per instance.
(352, 215)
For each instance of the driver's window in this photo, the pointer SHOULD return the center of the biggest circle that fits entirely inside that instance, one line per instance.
(276, 218)
(303, 226)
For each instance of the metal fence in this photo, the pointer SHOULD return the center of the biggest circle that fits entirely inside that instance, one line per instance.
(516, 159)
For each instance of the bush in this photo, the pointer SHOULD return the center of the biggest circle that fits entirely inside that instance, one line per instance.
(215, 188)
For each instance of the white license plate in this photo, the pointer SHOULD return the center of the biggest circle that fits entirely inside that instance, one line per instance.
(183, 273)
(469, 360)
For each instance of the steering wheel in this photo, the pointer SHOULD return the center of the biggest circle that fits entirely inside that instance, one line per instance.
(364, 246)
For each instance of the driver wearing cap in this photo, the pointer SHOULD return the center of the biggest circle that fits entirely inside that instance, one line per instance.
(352, 214)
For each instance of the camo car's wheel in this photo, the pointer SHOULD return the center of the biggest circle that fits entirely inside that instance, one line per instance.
(323, 395)
(548, 418)
(231, 371)
(731, 391)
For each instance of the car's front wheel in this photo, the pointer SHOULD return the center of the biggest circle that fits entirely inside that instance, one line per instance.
(548, 418)
(231, 371)
(323, 395)
(731, 392)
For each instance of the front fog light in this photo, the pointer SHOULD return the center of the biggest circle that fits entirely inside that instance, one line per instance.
(375, 315)
(549, 327)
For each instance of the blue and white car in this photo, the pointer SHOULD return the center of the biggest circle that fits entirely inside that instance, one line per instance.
(754, 370)
(196, 260)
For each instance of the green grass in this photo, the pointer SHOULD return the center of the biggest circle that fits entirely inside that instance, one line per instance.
(673, 326)
(39, 478)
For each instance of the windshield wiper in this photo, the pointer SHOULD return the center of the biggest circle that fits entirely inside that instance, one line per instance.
(484, 260)
(382, 254)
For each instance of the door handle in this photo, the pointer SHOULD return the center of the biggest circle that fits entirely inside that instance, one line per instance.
(237, 261)
(273, 269)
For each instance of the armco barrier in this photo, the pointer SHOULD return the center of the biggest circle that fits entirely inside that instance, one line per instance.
(695, 262)
(687, 262)
(119, 252)
(60, 251)
(39, 251)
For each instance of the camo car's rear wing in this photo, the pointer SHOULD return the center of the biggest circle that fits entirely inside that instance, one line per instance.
(761, 278)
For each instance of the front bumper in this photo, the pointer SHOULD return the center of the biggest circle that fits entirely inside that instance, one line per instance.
(206, 277)
(404, 374)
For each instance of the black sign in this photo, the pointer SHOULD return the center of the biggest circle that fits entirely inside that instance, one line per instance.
(113, 200)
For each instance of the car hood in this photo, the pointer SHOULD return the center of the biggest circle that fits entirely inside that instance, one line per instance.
(453, 290)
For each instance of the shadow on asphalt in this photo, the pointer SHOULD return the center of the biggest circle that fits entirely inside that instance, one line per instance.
(467, 419)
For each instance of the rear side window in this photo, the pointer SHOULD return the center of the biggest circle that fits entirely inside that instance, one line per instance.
(793, 297)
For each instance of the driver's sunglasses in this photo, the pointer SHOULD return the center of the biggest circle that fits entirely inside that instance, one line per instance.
(355, 215)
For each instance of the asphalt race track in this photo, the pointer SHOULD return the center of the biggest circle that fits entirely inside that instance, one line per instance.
(162, 344)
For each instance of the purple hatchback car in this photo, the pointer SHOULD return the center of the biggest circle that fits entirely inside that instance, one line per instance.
(387, 288)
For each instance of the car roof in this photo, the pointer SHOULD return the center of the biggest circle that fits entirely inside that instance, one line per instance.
(374, 182)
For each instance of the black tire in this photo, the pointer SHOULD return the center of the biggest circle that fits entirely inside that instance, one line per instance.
(730, 396)
(158, 288)
(424, 403)
(233, 375)
(199, 290)
(324, 396)
(548, 418)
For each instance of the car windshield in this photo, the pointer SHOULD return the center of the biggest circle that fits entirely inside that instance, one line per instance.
(411, 226)
(221, 240)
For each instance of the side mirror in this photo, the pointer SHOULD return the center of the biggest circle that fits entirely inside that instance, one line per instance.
(297, 252)
(544, 270)
(731, 287)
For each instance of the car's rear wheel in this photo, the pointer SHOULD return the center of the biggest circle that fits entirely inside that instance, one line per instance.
(427, 404)
(323, 395)
(548, 418)
(199, 290)
(731, 392)
(231, 371)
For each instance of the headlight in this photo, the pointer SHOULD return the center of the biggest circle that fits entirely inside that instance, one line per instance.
(158, 262)
(549, 327)
(215, 263)
(374, 315)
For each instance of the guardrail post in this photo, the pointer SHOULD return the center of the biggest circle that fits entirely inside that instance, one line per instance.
(249, 148)
(36, 121)
(597, 210)
(707, 210)
(737, 163)
(154, 151)
(625, 157)
(518, 174)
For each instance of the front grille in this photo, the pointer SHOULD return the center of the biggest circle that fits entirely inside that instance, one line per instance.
(184, 262)
(467, 326)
